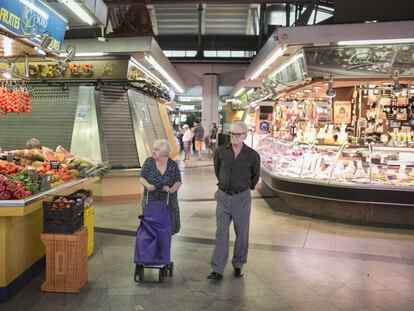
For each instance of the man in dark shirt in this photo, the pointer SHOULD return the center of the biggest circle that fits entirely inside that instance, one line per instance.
(237, 168)
(198, 138)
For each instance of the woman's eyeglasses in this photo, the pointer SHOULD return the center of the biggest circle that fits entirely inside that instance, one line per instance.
(235, 134)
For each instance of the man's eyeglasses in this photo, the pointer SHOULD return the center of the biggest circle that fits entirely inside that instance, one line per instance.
(235, 134)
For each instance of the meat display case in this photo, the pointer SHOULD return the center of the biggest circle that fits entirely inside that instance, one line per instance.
(360, 184)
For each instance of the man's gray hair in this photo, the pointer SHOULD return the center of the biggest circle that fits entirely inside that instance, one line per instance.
(163, 145)
(239, 125)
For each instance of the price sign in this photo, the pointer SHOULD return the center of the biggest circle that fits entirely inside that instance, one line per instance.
(54, 165)
(33, 175)
(9, 156)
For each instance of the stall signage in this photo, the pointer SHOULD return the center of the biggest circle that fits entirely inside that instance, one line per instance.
(360, 60)
(30, 18)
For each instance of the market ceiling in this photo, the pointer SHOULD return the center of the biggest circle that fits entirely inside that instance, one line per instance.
(232, 25)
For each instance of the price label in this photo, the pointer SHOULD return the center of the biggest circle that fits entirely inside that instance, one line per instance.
(54, 165)
(9, 156)
(33, 175)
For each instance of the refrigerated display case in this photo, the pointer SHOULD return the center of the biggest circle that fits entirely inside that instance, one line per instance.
(332, 180)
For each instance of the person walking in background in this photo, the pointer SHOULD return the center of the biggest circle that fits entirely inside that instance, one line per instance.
(237, 168)
(198, 137)
(187, 138)
(161, 176)
(212, 139)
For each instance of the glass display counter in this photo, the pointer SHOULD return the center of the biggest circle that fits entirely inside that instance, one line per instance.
(366, 176)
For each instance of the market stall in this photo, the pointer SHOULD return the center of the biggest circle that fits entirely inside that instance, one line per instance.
(342, 132)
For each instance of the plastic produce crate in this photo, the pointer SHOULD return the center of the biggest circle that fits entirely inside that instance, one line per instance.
(59, 217)
(83, 195)
(66, 261)
(89, 216)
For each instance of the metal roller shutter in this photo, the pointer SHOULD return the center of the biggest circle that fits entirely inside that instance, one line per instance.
(145, 116)
(117, 128)
(51, 120)
(156, 118)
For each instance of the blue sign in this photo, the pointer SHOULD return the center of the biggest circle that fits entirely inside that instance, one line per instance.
(30, 18)
(264, 126)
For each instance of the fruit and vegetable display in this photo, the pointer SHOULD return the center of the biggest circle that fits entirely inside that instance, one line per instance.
(37, 170)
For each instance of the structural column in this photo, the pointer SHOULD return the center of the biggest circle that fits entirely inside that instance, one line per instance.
(210, 102)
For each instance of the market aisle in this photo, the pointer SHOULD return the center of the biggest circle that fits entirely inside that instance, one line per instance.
(295, 263)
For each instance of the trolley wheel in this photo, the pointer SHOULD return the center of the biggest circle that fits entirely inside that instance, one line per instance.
(161, 275)
(171, 269)
(139, 272)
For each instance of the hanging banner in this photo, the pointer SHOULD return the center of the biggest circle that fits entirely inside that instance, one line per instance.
(354, 61)
(30, 18)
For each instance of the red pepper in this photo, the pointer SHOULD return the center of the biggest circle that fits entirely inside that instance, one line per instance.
(5, 195)
(17, 195)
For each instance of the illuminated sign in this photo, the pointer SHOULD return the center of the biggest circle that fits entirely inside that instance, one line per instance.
(31, 18)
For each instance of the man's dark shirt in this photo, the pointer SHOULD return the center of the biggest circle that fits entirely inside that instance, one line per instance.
(236, 174)
(199, 133)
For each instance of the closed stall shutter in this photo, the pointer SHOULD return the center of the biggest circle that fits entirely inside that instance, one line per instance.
(51, 120)
(144, 115)
(156, 118)
(117, 128)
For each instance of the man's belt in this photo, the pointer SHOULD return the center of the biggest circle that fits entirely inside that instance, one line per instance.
(229, 192)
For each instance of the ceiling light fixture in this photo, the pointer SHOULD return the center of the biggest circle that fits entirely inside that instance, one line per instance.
(396, 88)
(239, 92)
(8, 74)
(79, 11)
(330, 92)
(377, 41)
(46, 39)
(278, 53)
(161, 70)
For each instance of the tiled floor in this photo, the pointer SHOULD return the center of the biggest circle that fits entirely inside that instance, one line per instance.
(295, 263)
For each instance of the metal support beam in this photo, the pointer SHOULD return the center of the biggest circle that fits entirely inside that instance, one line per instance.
(209, 42)
(305, 16)
(261, 26)
(200, 30)
(287, 9)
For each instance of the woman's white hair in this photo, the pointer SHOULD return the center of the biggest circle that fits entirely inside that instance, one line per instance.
(239, 125)
(163, 146)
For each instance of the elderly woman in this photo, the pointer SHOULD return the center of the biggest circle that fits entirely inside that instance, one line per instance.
(187, 139)
(159, 176)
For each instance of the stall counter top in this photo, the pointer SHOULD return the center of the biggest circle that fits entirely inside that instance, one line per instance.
(26, 206)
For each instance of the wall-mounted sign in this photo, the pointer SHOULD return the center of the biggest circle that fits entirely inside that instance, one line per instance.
(373, 60)
(32, 17)
(342, 112)
(101, 69)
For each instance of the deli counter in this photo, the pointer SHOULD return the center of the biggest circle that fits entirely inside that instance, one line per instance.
(357, 184)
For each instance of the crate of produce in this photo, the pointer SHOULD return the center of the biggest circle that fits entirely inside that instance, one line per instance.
(83, 195)
(62, 226)
(88, 219)
(62, 208)
(66, 261)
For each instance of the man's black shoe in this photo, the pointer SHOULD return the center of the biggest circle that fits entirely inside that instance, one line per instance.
(238, 273)
(215, 276)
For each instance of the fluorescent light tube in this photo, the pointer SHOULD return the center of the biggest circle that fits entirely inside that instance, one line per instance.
(239, 91)
(377, 41)
(38, 10)
(79, 11)
(278, 53)
(84, 54)
(161, 70)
